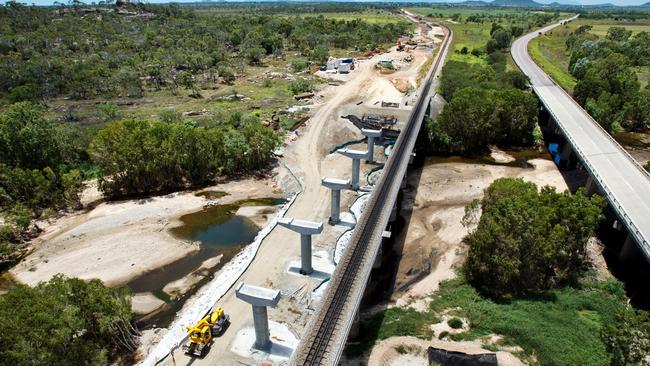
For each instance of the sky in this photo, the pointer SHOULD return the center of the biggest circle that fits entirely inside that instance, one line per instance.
(584, 2)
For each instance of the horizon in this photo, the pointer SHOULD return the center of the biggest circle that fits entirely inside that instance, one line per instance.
(620, 3)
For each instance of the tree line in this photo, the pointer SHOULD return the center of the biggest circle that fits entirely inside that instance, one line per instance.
(144, 157)
(42, 54)
(607, 85)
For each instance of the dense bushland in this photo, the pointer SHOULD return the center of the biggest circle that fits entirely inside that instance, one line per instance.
(140, 157)
(36, 175)
(125, 50)
(65, 322)
(528, 241)
(476, 118)
(487, 103)
(607, 85)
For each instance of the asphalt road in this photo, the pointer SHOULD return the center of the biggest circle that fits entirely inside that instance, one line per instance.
(620, 177)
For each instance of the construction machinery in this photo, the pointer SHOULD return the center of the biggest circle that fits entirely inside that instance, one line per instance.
(202, 334)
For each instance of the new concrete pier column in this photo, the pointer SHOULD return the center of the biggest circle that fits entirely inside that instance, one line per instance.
(356, 156)
(630, 251)
(336, 185)
(591, 187)
(306, 229)
(371, 135)
(260, 298)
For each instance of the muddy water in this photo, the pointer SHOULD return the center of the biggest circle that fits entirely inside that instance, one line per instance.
(220, 233)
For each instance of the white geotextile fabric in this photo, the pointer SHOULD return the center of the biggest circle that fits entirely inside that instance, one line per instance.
(211, 293)
(357, 208)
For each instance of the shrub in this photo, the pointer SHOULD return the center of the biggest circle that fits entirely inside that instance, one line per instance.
(455, 323)
(298, 65)
(108, 111)
(170, 116)
(529, 241)
(628, 338)
(300, 86)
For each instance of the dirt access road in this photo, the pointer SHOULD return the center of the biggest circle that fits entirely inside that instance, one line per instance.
(308, 158)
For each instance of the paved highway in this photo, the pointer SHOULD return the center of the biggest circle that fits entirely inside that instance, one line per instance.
(625, 183)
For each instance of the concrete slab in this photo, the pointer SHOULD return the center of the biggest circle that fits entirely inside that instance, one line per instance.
(347, 220)
(323, 266)
(283, 343)
(301, 226)
(255, 295)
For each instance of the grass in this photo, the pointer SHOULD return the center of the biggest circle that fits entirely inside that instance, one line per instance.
(549, 52)
(446, 11)
(370, 16)
(560, 328)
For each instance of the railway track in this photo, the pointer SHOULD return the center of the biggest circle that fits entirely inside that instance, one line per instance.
(327, 326)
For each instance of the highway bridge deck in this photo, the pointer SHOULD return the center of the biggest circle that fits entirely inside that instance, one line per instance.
(621, 179)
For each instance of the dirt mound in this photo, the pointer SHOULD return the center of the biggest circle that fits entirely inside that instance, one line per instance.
(402, 85)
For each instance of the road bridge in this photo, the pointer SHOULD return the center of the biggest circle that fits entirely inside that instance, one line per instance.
(624, 183)
(326, 334)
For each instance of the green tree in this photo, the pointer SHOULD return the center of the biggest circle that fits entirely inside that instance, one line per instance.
(65, 321)
(476, 118)
(618, 34)
(636, 112)
(186, 79)
(27, 138)
(254, 55)
(529, 241)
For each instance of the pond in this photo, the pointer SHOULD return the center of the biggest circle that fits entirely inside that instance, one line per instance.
(220, 232)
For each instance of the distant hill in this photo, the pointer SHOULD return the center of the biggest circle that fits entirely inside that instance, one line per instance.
(646, 5)
(516, 3)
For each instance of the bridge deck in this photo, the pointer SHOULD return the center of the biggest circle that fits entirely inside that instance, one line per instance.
(624, 182)
(327, 332)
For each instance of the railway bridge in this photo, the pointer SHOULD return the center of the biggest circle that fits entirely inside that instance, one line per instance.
(324, 339)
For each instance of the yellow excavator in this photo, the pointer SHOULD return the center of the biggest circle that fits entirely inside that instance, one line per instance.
(203, 332)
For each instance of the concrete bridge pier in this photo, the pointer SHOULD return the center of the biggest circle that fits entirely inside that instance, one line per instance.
(591, 187)
(336, 185)
(356, 157)
(306, 229)
(371, 135)
(629, 252)
(567, 156)
(260, 298)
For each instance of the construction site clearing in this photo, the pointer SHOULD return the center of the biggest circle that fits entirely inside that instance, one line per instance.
(323, 145)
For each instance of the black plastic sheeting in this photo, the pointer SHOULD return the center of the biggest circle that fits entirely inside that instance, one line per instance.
(449, 358)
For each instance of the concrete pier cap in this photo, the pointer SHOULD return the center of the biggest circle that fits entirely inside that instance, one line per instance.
(336, 185)
(371, 135)
(260, 298)
(306, 229)
(356, 156)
